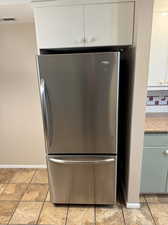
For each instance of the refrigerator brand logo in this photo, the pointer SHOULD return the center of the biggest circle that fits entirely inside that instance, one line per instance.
(105, 62)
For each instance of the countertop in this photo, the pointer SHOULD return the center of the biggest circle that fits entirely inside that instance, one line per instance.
(156, 124)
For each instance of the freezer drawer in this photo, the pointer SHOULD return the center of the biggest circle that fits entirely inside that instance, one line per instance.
(82, 179)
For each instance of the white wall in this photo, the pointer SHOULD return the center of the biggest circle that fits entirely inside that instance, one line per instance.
(21, 132)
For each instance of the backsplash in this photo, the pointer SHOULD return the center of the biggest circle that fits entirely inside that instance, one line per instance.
(157, 103)
(157, 100)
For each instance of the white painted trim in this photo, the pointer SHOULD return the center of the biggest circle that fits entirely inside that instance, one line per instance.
(45, 3)
(133, 205)
(23, 166)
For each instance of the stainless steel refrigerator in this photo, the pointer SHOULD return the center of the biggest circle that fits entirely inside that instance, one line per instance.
(79, 99)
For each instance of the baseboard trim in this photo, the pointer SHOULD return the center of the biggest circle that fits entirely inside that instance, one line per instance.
(128, 204)
(23, 166)
(133, 205)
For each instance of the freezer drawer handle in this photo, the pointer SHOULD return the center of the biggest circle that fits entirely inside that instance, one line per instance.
(96, 161)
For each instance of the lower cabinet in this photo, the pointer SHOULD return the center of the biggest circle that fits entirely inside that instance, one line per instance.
(154, 170)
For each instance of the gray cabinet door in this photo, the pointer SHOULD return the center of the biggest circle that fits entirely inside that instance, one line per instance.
(156, 140)
(154, 170)
(167, 182)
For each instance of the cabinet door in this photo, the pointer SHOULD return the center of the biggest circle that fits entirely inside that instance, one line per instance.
(156, 140)
(167, 182)
(158, 66)
(154, 170)
(109, 24)
(59, 27)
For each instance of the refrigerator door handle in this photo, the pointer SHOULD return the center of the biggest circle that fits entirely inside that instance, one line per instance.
(70, 161)
(44, 110)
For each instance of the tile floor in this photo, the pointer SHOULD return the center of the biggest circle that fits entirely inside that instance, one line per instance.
(24, 199)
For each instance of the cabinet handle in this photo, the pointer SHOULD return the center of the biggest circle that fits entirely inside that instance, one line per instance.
(166, 152)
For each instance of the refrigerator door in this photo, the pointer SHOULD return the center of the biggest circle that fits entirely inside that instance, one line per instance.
(79, 95)
(82, 179)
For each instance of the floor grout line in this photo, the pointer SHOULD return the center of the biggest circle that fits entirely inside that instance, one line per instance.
(18, 204)
(13, 212)
(4, 189)
(42, 206)
(95, 215)
(145, 198)
(33, 176)
(28, 184)
(21, 197)
(123, 215)
(151, 213)
(46, 196)
(66, 219)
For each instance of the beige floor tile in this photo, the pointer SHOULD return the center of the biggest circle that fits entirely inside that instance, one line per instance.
(81, 216)
(13, 192)
(40, 176)
(6, 211)
(109, 216)
(48, 197)
(35, 192)
(160, 213)
(6, 175)
(52, 214)
(157, 198)
(138, 216)
(23, 176)
(2, 187)
(26, 213)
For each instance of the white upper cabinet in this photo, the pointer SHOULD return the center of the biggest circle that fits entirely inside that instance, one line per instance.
(79, 25)
(58, 27)
(158, 66)
(109, 24)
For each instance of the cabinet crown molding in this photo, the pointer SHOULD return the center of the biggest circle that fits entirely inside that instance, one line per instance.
(43, 3)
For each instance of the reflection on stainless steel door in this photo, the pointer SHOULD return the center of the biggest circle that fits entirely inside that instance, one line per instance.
(82, 179)
(83, 94)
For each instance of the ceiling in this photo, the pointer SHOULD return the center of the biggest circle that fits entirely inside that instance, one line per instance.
(19, 9)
